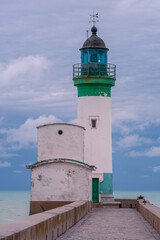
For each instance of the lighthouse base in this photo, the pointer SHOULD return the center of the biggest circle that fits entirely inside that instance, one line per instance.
(106, 198)
(107, 201)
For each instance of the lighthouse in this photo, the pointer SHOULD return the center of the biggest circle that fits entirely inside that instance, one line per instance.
(74, 161)
(94, 77)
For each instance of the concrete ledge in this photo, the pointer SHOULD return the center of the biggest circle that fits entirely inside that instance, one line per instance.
(47, 225)
(41, 206)
(118, 202)
(110, 204)
(107, 205)
(126, 203)
(150, 212)
(107, 198)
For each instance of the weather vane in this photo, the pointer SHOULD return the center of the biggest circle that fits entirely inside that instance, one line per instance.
(93, 18)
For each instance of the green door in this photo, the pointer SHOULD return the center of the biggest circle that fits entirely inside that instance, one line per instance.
(95, 190)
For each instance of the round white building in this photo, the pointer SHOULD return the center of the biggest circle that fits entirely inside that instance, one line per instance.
(60, 175)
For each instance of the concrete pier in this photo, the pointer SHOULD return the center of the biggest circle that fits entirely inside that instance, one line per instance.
(79, 221)
(112, 224)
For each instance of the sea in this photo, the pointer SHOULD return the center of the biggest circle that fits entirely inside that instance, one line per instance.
(15, 204)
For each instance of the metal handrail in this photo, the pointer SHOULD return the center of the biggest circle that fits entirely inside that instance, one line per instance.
(94, 69)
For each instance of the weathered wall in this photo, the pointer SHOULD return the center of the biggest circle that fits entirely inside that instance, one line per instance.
(69, 144)
(150, 212)
(61, 181)
(48, 225)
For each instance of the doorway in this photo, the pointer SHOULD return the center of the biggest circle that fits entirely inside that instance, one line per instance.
(95, 190)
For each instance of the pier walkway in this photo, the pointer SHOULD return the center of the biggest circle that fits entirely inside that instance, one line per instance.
(112, 224)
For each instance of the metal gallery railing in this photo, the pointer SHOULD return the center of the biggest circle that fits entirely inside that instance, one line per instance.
(94, 69)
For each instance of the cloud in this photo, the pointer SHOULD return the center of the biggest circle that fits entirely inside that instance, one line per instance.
(52, 66)
(132, 141)
(124, 80)
(130, 113)
(29, 82)
(23, 137)
(4, 154)
(152, 152)
(22, 78)
(128, 141)
(157, 121)
(47, 87)
(23, 70)
(135, 153)
(17, 171)
(124, 116)
(123, 121)
(26, 134)
(5, 164)
(156, 169)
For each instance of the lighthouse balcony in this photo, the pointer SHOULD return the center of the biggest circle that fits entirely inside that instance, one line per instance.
(94, 69)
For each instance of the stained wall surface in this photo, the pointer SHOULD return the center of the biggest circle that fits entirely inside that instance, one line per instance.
(61, 181)
(60, 140)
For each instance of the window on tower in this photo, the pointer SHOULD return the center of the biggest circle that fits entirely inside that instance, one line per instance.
(93, 121)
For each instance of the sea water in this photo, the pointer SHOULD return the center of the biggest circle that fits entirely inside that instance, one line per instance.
(15, 204)
(152, 196)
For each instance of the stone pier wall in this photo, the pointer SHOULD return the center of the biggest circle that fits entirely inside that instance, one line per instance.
(150, 212)
(126, 202)
(47, 225)
(51, 224)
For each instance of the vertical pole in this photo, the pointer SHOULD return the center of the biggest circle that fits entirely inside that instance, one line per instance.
(87, 33)
(78, 70)
(73, 71)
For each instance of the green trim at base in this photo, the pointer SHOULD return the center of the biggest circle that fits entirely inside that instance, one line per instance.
(94, 85)
(94, 79)
(55, 160)
(106, 187)
(94, 90)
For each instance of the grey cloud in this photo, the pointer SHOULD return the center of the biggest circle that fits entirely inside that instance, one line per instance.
(57, 29)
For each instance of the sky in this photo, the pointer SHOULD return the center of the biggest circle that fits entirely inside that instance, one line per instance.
(39, 43)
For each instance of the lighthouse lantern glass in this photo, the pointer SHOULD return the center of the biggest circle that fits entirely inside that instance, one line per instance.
(102, 56)
(93, 56)
(84, 56)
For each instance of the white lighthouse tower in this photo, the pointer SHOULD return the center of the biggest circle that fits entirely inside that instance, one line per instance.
(94, 77)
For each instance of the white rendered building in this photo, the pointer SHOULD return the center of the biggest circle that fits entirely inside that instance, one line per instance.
(60, 175)
(94, 77)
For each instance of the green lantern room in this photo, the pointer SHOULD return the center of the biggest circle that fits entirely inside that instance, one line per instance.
(94, 74)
